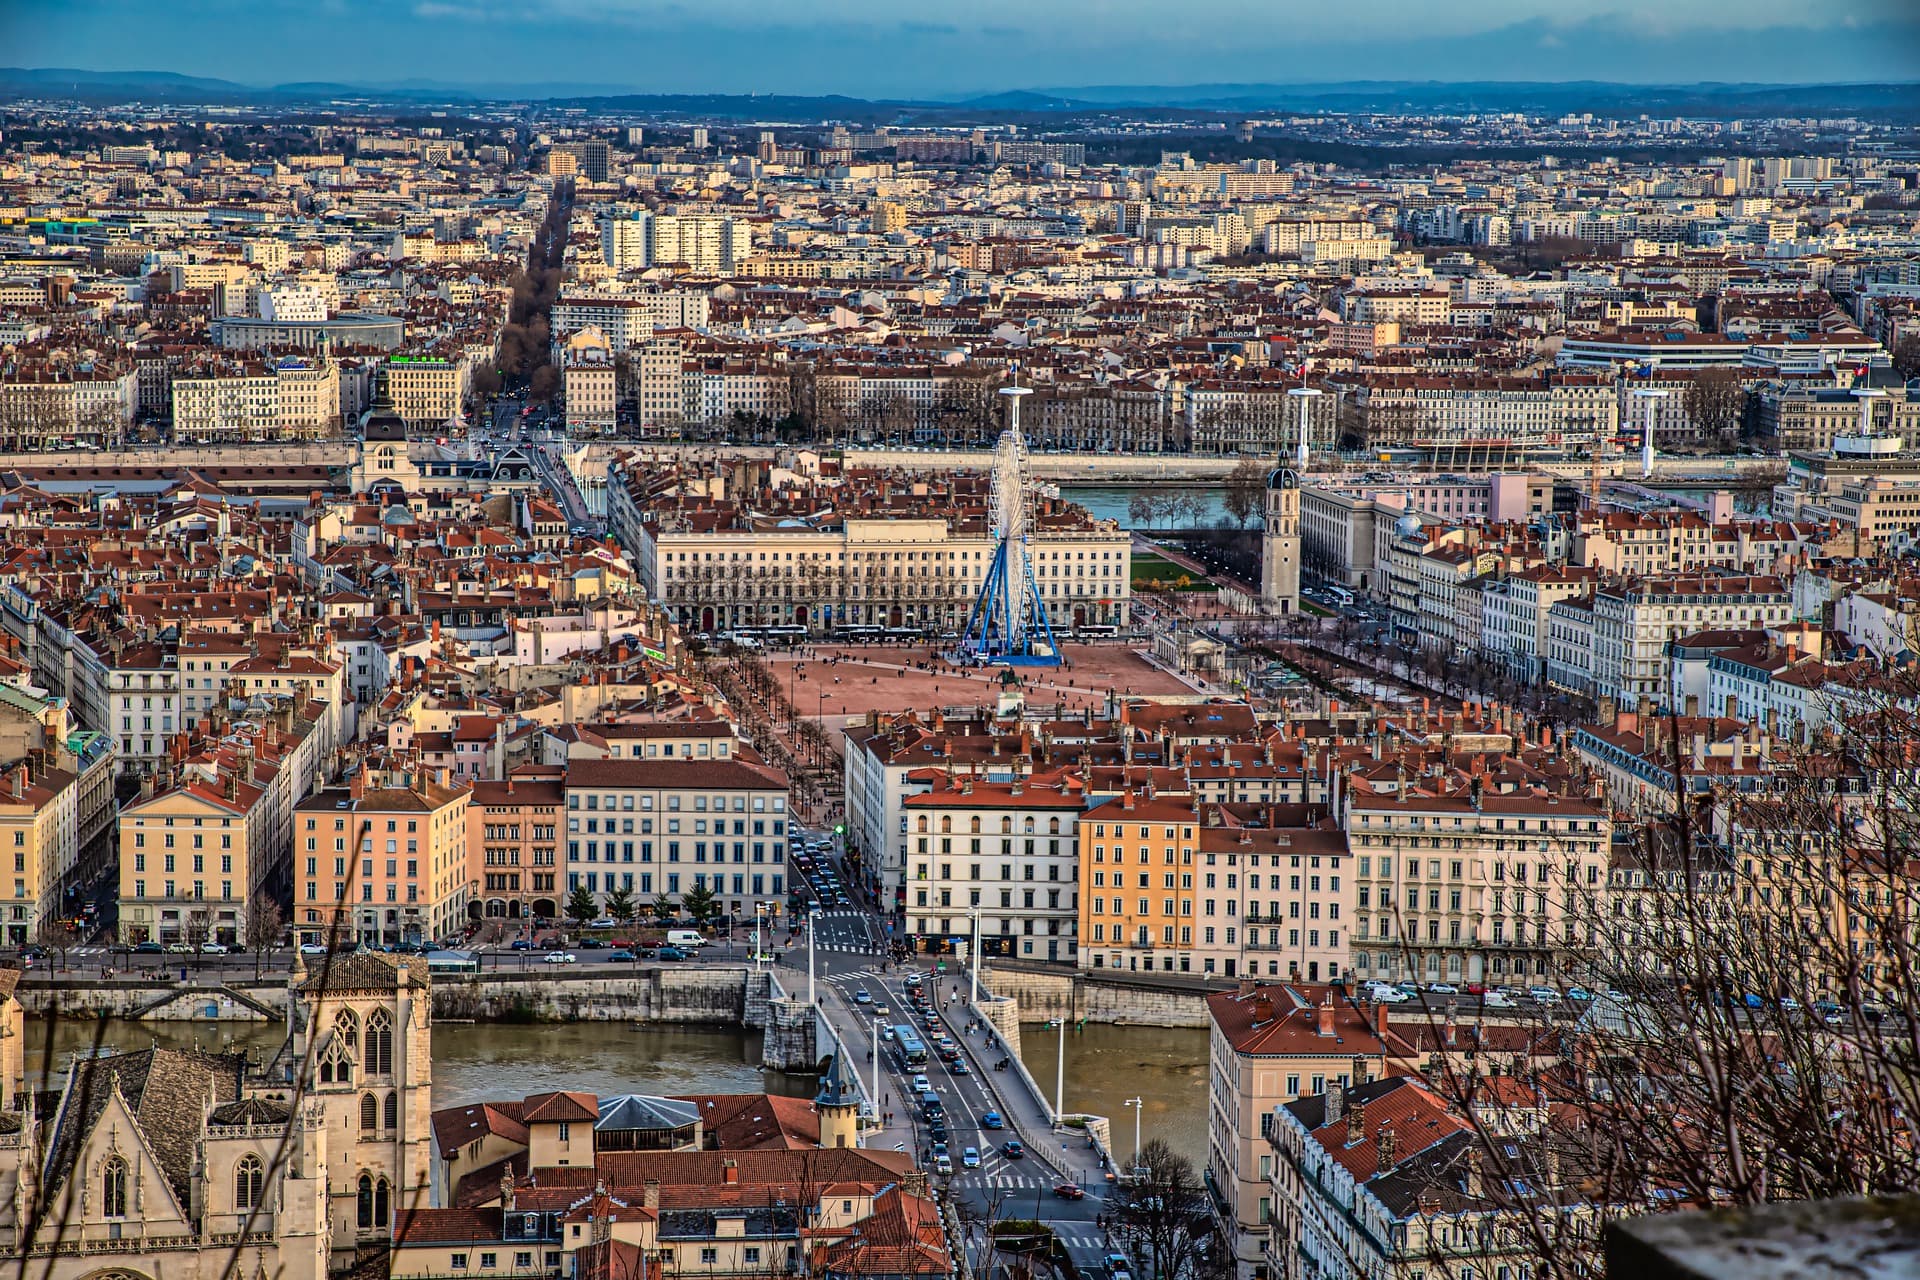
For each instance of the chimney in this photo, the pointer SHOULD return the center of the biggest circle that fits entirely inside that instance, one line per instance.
(1380, 1020)
(651, 1194)
(1336, 1101)
(1385, 1144)
(729, 1173)
(506, 1192)
(1323, 1017)
(1246, 987)
(1262, 1009)
(1357, 1124)
(1476, 1186)
(1358, 1072)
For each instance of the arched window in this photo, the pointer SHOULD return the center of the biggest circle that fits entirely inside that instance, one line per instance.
(381, 1191)
(364, 1214)
(378, 1055)
(248, 1176)
(113, 1188)
(369, 1111)
(346, 1028)
(393, 1111)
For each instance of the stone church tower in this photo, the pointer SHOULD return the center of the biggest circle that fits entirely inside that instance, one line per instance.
(1280, 544)
(365, 1037)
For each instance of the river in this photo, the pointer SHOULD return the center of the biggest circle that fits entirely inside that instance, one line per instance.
(1166, 1067)
(479, 1063)
(1109, 502)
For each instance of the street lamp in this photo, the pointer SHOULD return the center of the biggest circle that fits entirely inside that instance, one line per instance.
(876, 1070)
(1138, 1105)
(759, 910)
(973, 987)
(812, 914)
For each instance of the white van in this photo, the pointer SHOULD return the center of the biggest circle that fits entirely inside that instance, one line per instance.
(684, 938)
(1498, 1000)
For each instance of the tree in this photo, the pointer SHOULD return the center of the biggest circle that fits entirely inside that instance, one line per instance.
(1140, 509)
(57, 933)
(580, 905)
(663, 909)
(198, 930)
(698, 903)
(620, 904)
(1715, 401)
(1906, 356)
(1156, 1212)
(1246, 491)
(265, 924)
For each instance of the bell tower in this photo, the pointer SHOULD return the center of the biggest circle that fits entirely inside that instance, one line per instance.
(1280, 544)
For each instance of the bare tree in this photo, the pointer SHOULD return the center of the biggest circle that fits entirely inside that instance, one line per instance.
(1715, 401)
(265, 924)
(1246, 491)
(1155, 1214)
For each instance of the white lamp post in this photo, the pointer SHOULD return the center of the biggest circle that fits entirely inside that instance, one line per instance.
(1138, 1105)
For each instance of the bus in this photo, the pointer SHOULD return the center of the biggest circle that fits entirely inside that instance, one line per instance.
(913, 1050)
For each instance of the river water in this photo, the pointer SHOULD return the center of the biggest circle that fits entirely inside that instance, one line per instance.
(479, 1063)
(1165, 1067)
(1109, 502)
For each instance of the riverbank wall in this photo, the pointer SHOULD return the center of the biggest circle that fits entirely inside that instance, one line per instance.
(729, 996)
(1149, 1000)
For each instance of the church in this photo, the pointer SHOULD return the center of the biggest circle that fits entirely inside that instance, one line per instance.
(166, 1164)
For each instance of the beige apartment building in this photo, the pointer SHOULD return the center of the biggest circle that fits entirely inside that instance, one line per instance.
(663, 827)
(1468, 888)
(426, 390)
(513, 843)
(191, 859)
(1006, 850)
(1268, 1045)
(292, 399)
(55, 816)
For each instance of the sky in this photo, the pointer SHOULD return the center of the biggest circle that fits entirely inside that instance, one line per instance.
(940, 48)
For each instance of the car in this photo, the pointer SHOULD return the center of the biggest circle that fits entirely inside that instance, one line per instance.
(604, 922)
(521, 944)
(590, 944)
(970, 1157)
(1387, 995)
(213, 949)
(913, 982)
(991, 1120)
(937, 1128)
(1118, 1266)
(863, 996)
(1013, 1149)
(886, 1033)
(1476, 988)
(672, 953)
(1615, 993)
(1789, 1003)
(154, 949)
(623, 956)
(1543, 995)
(959, 1067)
(1498, 1000)
(1579, 993)
(560, 957)
(1443, 989)
(921, 1084)
(1069, 1191)
(179, 948)
(942, 1165)
(939, 1150)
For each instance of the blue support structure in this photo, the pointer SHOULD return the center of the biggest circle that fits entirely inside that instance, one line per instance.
(1008, 622)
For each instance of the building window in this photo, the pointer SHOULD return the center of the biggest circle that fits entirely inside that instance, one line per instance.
(113, 1188)
(379, 1048)
(247, 1179)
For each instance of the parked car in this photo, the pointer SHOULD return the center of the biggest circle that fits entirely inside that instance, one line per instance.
(590, 944)
(560, 957)
(179, 948)
(521, 944)
(623, 956)
(154, 949)
(213, 949)
(1543, 995)
(1443, 989)
(672, 953)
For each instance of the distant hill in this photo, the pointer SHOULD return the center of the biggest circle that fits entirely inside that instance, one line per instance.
(1711, 101)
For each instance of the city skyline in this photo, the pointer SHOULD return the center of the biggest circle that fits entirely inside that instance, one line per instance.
(853, 47)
